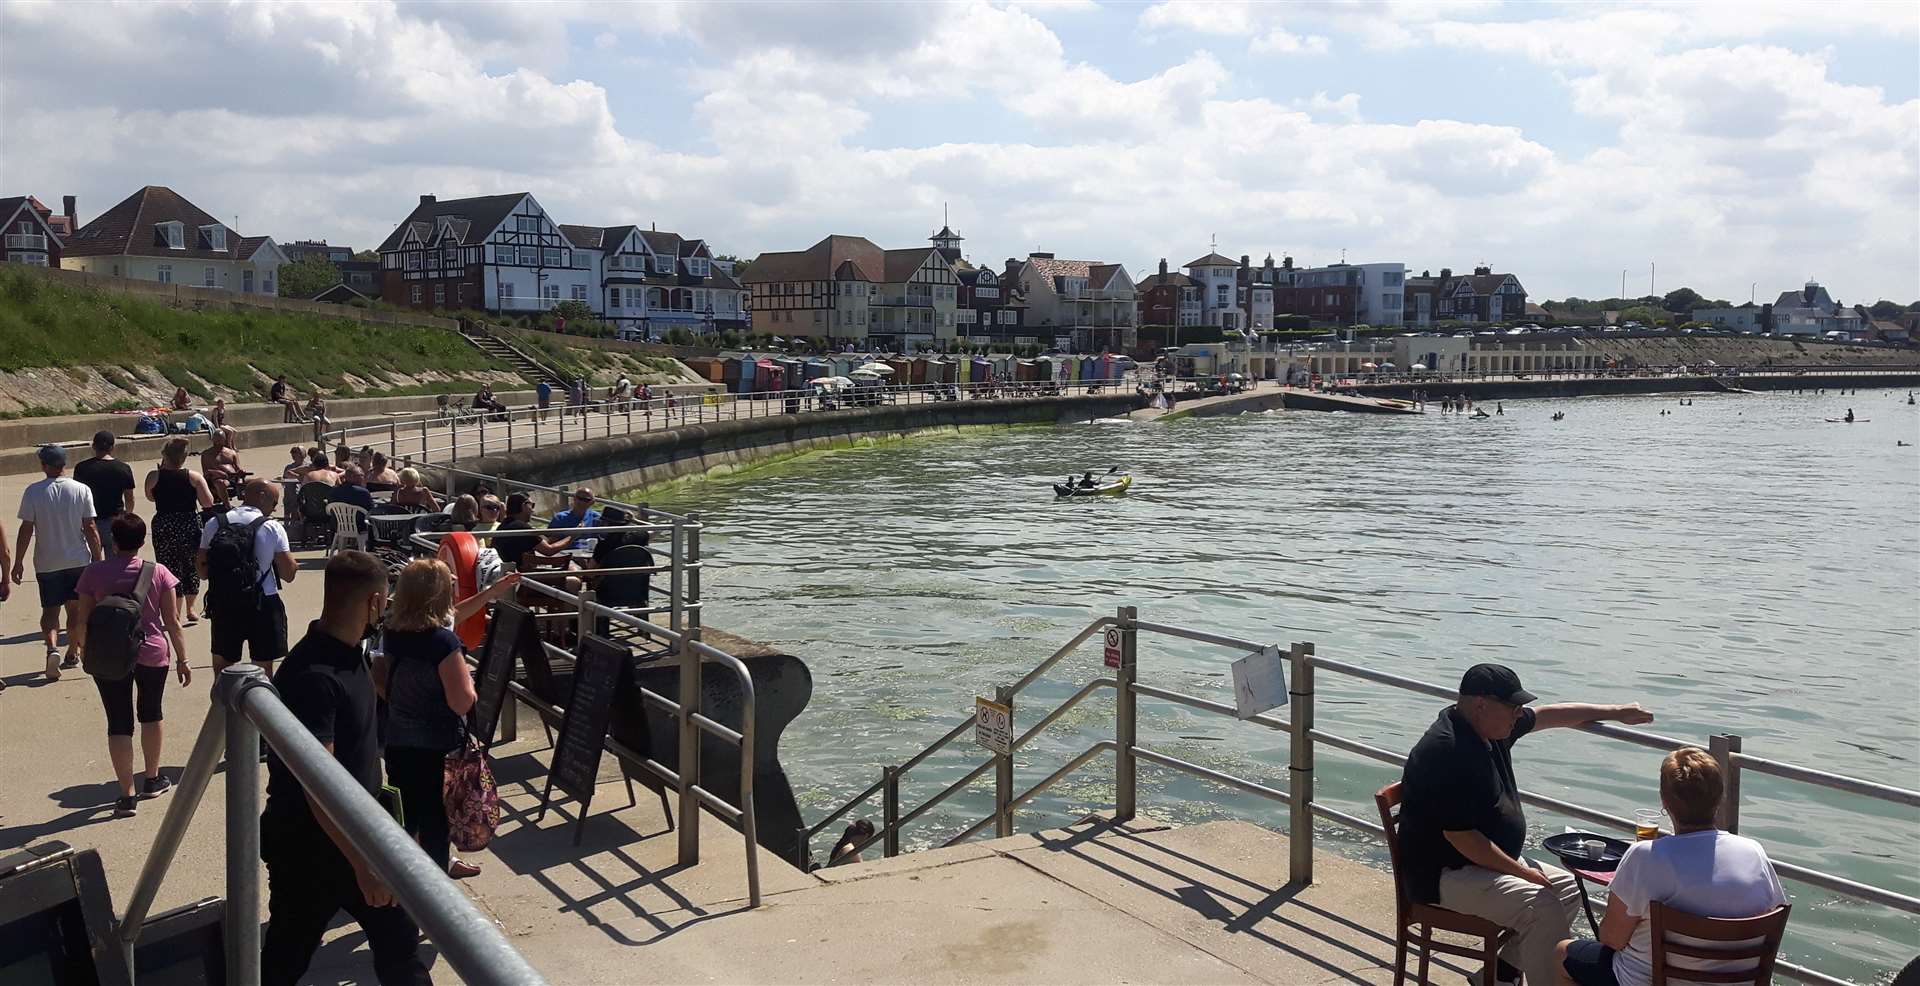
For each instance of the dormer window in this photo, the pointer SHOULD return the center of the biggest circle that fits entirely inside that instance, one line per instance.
(173, 234)
(662, 265)
(697, 266)
(214, 236)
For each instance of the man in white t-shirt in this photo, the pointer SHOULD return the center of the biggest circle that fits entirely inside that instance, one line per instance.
(56, 520)
(245, 607)
(1698, 869)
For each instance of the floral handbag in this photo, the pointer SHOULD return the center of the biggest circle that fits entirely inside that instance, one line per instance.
(472, 800)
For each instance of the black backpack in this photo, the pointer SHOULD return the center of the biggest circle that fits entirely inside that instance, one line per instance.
(114, 635)
(234, 577)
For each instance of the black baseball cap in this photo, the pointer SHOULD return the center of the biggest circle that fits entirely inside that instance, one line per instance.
(1495, 681)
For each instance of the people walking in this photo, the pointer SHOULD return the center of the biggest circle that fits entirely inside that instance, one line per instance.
(428, 689)
(244, 557)
(313, 872)
(143, 624)
(178, 495)
(108, 479)
(59, 512)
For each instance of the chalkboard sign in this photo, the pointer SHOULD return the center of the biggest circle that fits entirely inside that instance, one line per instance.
(599, 666)
(510, 635)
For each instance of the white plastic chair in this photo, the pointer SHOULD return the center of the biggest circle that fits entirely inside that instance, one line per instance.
(347, 530)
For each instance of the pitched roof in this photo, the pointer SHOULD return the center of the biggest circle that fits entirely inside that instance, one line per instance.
(10, 208)
(946, 233)
(1101, 275)
(901, 264)
(1169, 279)
(586, 237)
(834, 258)
(482, 214)
(1212, 260)
(1481, 283)
(130, 228)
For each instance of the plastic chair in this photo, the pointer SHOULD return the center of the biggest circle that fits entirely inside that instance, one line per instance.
(1430, 917)
(348, 527)
(1754, 942)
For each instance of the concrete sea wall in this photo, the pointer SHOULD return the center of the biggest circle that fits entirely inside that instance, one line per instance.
(646, 459)
(1623, 386)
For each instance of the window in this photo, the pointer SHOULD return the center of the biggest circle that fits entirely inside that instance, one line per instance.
(1220, 293)
(1390, 302)
(413, 260)
(413, 294)
(506, 290)
(552, 257)
(579, 292)
(461, 294)
(702, 301)
(452, 255)
(526, 224)
(697, 266)
(1392, 278)
(163, 273)
(439, 296)
(206, 279)
(662, 264)
(529, 256)
(216, 236)
(613, 297)
(550, 292)
(175, 235)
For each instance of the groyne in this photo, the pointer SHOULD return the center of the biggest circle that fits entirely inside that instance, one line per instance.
(649, 458)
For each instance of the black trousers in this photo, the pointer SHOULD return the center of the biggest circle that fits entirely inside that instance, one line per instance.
(304, 892)
(421, 775)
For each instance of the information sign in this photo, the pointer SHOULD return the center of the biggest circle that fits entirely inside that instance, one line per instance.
(993, 725)
(1259, 682)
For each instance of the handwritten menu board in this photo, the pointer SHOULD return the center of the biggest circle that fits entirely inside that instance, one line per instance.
(598, 666)
(509, 636)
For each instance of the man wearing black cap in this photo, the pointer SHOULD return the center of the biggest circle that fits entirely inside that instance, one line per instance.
(1462, 827)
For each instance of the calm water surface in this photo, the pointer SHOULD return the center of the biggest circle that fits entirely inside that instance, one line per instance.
(1739, 565)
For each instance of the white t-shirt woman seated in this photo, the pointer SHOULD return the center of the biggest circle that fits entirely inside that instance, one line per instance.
(1698, 869)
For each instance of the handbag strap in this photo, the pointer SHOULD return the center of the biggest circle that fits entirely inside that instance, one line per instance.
(143, 586)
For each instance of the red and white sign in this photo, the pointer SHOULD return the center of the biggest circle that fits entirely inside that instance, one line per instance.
(1113, 647)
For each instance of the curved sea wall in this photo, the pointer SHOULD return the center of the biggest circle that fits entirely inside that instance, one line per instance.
(626, 462)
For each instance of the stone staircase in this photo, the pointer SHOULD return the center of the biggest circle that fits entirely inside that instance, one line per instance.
(522, 362)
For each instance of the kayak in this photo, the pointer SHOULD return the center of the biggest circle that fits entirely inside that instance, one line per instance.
(1843, 421)
(1110, 489)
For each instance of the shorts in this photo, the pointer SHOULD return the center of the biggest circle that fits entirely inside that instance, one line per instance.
(1590, 963)
(263, 632)
(58, 587)
(122, 709)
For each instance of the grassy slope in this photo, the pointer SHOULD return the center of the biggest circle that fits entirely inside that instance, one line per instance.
(49, 325)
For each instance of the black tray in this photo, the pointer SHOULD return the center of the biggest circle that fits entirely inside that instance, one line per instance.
(1571, 848)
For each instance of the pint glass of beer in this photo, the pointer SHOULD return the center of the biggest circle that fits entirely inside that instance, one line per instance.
(1646, 824)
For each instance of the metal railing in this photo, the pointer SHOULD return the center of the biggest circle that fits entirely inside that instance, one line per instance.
(246, 708)
(463, 433)
(1304, 737)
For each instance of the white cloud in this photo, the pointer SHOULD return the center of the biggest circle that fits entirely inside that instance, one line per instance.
(1731, 156)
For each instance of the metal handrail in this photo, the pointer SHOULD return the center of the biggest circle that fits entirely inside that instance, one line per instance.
(692, 722)
(691, 408)
(246, 709)
(1302, 806)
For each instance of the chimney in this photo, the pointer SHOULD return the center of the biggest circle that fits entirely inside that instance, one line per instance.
(69, 205)
(1163, 268)
(428, 200)
(1010, 263)
(1286, 263)
(1244, 261)
(1483, 271)
(1426, 273)
(1445, 273)
(1269, 264)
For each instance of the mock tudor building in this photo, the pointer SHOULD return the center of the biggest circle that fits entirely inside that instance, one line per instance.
(1088, 303)
(500, 253)
(31, 237)
(1482, 296)
(155, 234)
(847, 289)
(989, 309)
(651, 282)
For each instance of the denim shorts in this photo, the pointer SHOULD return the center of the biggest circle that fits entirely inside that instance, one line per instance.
(58, 587)
(1590, 963)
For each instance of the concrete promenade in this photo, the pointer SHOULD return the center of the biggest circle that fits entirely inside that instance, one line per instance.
(1142, 902)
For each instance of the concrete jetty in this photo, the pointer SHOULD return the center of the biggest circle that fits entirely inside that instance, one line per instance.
(1269, 396)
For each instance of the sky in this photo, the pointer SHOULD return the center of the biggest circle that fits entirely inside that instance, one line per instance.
(1737, 148)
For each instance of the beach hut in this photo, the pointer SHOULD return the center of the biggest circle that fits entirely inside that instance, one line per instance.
(817, 368)
(710, 369)
(1027, 371)
(903, 371)
(962, 370)
(768, 375)
(792, 373)
(982, 369)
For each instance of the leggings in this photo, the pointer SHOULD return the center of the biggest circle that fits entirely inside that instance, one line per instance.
(420, 775)
(117, 698)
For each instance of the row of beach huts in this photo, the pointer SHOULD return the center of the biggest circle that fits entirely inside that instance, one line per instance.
(749, 373)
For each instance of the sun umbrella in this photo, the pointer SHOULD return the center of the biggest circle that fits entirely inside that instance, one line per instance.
(1419, 366)
(865, 375)
(877, 367)
(1370, 366)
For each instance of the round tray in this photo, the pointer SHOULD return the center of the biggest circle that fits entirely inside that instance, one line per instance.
(1572, 849)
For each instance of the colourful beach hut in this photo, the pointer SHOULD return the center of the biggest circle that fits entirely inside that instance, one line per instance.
(769, 376)
(982, 369)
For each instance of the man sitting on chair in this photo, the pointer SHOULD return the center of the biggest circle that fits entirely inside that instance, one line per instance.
(1462, 827)
(1698, 869)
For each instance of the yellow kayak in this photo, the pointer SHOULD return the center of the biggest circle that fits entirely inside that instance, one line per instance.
(1110, 489)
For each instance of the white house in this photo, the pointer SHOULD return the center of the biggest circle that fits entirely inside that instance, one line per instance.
(155, 234)
(1218, 279)
(651, 282)
(1085, 301)
(501, 253)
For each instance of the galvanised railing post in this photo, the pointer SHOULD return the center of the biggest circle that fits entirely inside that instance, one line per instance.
(1003, 776)
(483, 437)
(583, 625)
(1300, 768)
(1123, 718)
(676, 584)
(689, 766)
(890, 810)
(242, 918)
(1723, 746)
(393, 439)
(692, 618)
(423, 441)
(510, 431)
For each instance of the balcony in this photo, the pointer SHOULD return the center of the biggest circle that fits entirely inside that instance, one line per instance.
(902, 300)
(27, 241)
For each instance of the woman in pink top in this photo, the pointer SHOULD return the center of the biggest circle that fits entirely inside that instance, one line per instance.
(159, 622)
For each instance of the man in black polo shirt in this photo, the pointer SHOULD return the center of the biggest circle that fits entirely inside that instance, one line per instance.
(1462, 827)
(313, 872)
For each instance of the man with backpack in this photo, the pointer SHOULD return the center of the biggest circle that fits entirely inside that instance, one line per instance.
(244, 558)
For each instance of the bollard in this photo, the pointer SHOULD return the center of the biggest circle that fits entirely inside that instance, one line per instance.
(1123, 718)
(1300, 768)
(802, 849)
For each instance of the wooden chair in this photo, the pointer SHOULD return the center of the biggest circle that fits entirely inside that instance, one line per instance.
(1754, 942)
(1429, 917)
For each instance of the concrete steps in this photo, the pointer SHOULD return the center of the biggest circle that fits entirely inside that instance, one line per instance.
(531, 369)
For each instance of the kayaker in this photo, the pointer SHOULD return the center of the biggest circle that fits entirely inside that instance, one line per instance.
(1849, 418)
(1087, 481)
